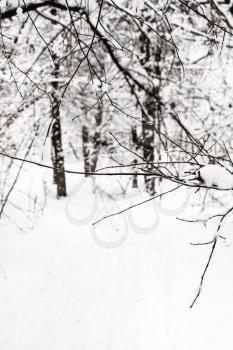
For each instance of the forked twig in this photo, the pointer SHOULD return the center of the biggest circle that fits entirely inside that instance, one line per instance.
(205, 270)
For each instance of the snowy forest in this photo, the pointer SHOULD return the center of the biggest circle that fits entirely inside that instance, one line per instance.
(116, 174)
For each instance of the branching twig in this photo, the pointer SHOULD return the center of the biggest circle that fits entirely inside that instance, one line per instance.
(205, 270)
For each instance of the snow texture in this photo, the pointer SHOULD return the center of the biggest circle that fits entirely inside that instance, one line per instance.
(217, 176)
(60, 290)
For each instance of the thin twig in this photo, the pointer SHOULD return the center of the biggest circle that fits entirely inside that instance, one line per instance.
(135, 205)
(204, 272)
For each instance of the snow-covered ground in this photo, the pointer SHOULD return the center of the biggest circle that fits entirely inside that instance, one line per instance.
(125, 286)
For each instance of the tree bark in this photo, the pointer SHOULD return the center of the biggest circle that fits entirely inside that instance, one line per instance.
(86, 150)
(56, 138)
(92, 142)
(151, 61)
(136, 144)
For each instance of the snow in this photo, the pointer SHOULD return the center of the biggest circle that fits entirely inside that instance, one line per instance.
(62, 290)
(20, 14)
(216, 175)
(127, 282)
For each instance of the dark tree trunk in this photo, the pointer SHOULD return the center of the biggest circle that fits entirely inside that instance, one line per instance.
(96, 138)
(56, 138)
(136, 144)
(92, 143)
(86, 149)
(148, 155)
(151, 61)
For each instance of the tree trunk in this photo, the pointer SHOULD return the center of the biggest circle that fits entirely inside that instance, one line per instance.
(148, 155)
(136, 144)
(151, 61)
(92, 143)
(96, 138)
(56, 138)
(153, 108)
(86, 150)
